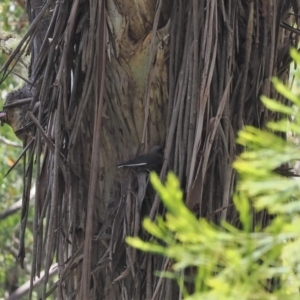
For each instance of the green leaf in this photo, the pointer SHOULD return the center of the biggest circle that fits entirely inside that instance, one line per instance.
(276, 106)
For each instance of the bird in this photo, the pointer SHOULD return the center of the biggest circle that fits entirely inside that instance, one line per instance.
(152, 160)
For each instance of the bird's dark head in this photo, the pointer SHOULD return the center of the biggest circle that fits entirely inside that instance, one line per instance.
(157, 148)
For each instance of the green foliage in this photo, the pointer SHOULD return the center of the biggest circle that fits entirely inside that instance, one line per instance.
(13, 23)
(12, 16)
(232, 263)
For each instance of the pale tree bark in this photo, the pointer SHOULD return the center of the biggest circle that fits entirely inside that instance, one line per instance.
(114, 79)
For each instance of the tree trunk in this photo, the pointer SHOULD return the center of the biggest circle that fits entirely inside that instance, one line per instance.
(112, 82)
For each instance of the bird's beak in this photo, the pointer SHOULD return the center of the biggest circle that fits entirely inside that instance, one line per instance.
(3, 117)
